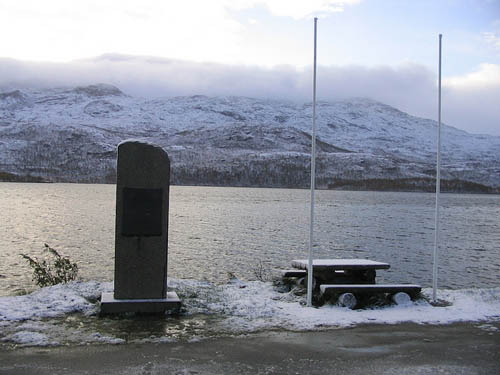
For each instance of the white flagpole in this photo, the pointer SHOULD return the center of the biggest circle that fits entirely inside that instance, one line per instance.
(313, 178)
(438, 185)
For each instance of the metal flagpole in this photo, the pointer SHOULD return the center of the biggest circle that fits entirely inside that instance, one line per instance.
(313, 178)
(438, 185)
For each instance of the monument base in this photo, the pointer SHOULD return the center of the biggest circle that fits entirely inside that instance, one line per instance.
(110, 305)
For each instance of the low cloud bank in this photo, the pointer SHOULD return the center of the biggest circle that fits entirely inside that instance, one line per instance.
(469, 102)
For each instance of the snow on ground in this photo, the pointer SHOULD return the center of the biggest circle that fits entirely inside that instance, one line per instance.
(53, 301)
(49, 316)
(258, 305)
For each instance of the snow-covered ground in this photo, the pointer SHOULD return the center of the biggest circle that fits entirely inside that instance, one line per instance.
(67, 314)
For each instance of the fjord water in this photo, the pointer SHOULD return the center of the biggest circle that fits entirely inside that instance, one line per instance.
(216, 232)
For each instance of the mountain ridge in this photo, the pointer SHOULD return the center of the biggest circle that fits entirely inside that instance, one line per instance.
(70, 134)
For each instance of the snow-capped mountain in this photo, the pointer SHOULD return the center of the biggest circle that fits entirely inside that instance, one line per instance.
(71, 134)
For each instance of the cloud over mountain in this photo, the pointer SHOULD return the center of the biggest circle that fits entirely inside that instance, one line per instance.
(469, 102)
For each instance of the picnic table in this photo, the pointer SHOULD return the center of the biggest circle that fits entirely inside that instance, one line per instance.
(351, 271)
(345, 278)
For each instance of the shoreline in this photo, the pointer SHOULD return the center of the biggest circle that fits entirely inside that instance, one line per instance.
(407, 348)
(367, 185)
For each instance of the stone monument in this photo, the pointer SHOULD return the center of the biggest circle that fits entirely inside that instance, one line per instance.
(141, 232)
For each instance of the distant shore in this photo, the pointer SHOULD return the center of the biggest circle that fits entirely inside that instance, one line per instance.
(416, 185)
(464, 348)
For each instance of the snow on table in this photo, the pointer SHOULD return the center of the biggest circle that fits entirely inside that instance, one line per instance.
(340, 264)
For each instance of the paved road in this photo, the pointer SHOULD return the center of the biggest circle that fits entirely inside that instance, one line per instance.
(371, 349)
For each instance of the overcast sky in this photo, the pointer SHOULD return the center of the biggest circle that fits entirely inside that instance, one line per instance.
(386, 50)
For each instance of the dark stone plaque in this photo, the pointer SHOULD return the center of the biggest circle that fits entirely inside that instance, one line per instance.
(142, 212)
(141, 235)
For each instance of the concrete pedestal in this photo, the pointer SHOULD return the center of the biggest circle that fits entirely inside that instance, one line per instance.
(110, 305)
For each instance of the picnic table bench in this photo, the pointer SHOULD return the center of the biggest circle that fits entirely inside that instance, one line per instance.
(346, 278)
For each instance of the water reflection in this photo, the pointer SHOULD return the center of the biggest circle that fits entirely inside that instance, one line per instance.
(217, 231)
(151, 327)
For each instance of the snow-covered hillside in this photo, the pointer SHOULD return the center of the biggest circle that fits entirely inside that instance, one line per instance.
(70, 134)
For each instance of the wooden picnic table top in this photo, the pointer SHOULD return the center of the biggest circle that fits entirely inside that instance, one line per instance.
(340, 264)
